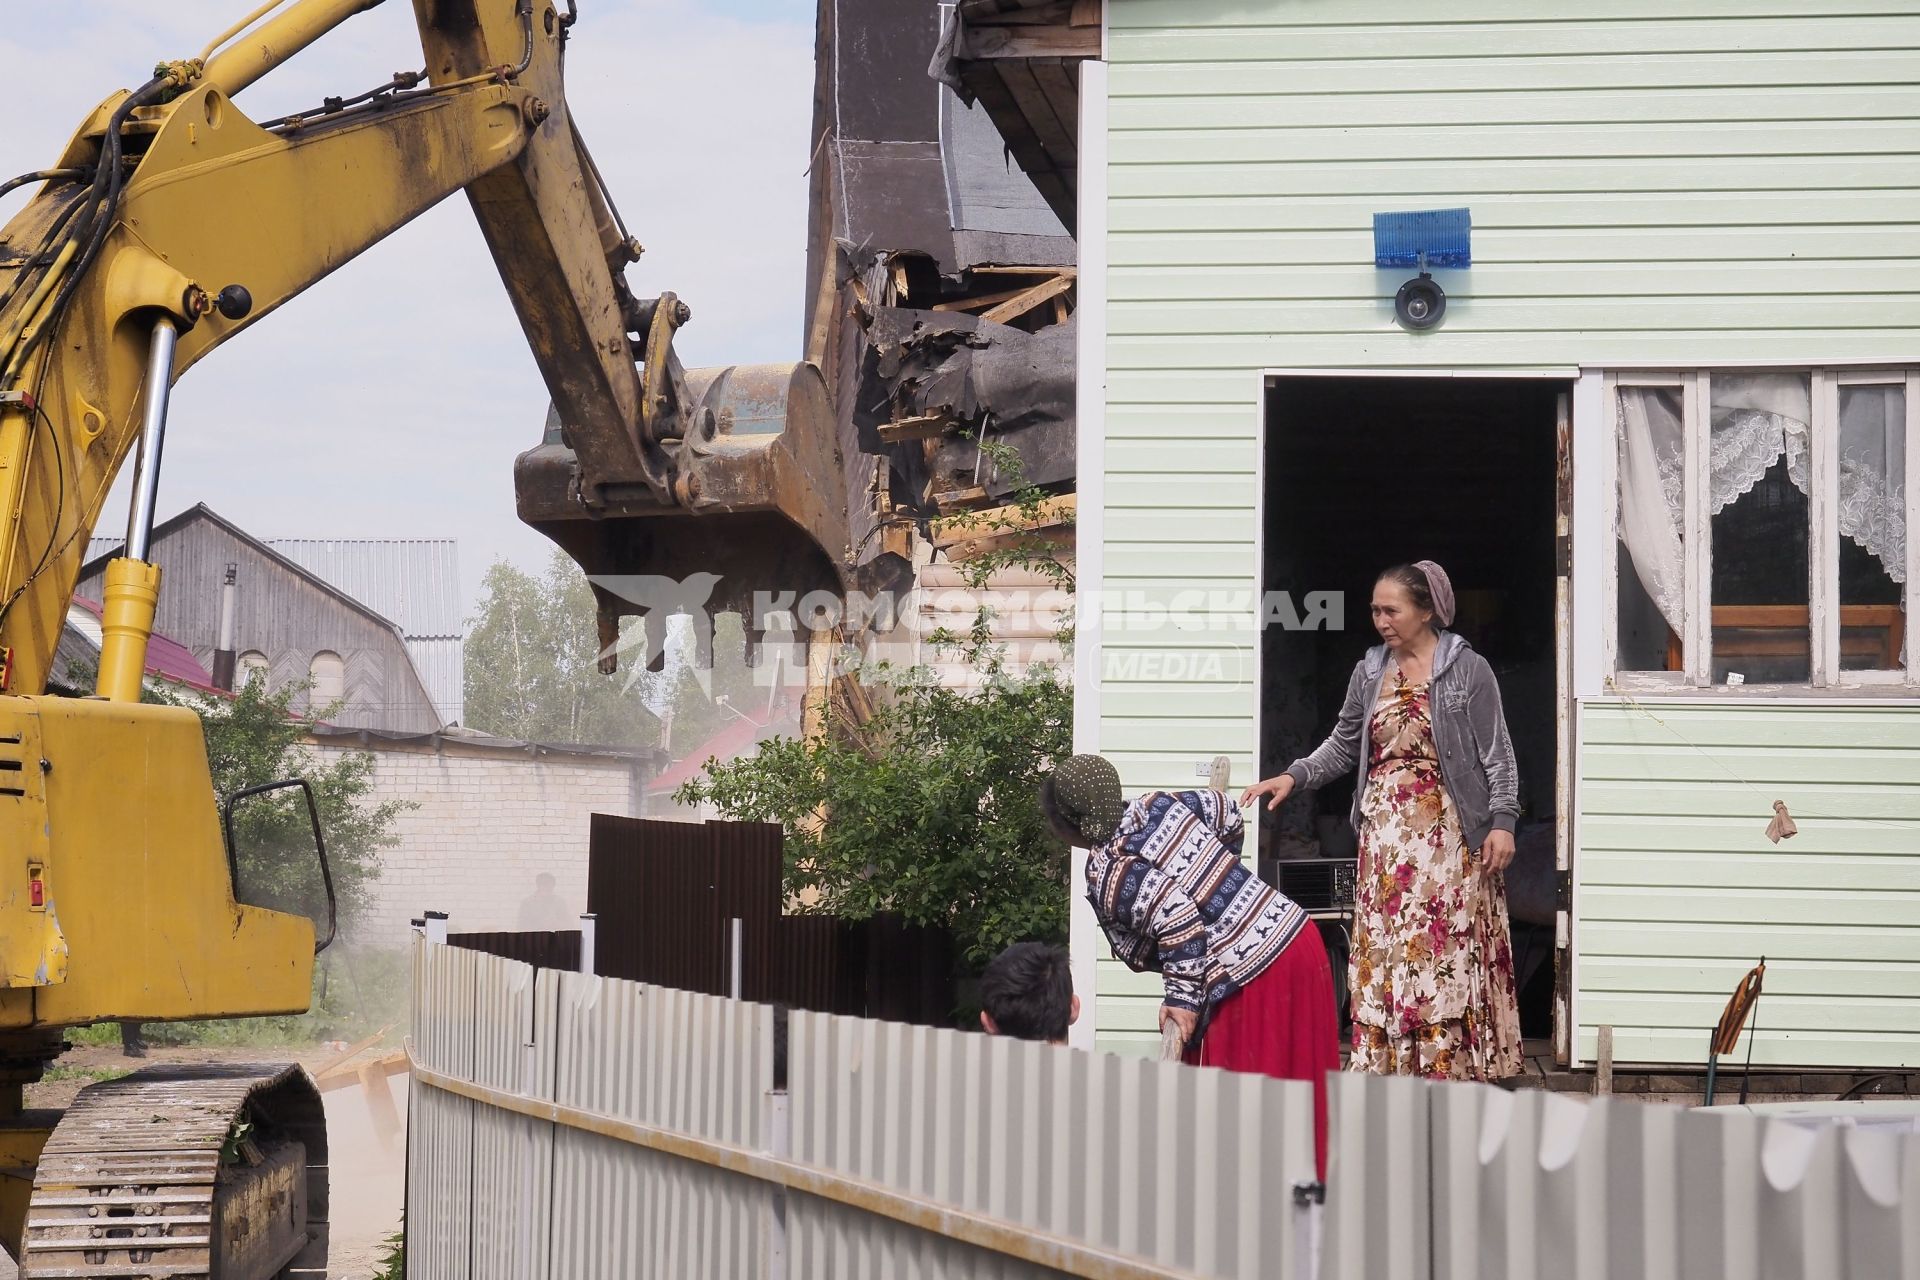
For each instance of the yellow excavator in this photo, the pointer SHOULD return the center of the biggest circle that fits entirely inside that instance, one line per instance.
(171, 222)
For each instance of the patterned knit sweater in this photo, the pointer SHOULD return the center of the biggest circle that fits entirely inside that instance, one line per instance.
(1173, 896)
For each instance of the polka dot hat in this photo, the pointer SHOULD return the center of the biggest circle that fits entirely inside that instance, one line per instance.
(1087, 789)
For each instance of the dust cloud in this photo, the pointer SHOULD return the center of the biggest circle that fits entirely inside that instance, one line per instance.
(367, 1175)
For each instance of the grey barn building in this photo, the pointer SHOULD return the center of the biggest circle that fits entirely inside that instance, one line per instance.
(292, 624)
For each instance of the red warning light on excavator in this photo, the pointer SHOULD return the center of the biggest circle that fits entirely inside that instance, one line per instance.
(36, 887)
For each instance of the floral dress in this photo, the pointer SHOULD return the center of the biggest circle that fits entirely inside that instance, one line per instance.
(1432, 965)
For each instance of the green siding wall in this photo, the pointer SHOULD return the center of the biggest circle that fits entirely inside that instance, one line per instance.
(1651, 181)
(1679, 892)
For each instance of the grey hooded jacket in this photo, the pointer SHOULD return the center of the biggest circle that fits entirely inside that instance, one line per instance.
(1470, 730)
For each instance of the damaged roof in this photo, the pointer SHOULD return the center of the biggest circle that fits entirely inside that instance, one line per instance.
(944, 287)
(998, 216)
(1019, 59)
(918, 169)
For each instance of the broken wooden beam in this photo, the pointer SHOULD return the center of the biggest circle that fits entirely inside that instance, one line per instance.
(927, 426)
(1056, 541)
(347, 1075)
(1028, 299)
(995, 522)
(348, 1054)
(981, 300)
(1031, 40)
(960, 497)
(1023, 271)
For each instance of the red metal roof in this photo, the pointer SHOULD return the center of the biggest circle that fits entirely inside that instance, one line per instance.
(738, 735)
(168, 658)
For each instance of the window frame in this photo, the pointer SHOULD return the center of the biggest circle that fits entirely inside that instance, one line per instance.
(243, 669)
(314, 699)
(1823, 533)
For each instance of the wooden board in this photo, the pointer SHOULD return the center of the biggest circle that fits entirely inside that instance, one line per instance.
(1001, 521)
(925, 427)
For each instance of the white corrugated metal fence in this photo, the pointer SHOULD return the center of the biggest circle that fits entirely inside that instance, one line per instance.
(570, 1127)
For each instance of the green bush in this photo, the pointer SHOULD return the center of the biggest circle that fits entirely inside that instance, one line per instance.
(928, 807)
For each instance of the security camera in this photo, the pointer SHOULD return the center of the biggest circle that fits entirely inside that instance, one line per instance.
(1420, 303)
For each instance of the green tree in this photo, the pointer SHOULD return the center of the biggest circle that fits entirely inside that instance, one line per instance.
(928, 808)
(532, 663)
(255, 738)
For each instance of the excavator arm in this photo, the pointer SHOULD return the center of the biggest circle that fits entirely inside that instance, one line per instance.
(171, 222)
(172, 209)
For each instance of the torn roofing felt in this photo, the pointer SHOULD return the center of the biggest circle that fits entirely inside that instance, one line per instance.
(918, 170)
(920, 206)
(997, 214)
(1033, 97)
(986, 379)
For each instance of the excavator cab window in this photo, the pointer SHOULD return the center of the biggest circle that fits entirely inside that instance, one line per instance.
(273, 830)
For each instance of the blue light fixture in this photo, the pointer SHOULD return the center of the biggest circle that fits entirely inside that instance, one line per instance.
(1422, 239)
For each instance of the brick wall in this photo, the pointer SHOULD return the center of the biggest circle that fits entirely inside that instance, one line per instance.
(486, 823)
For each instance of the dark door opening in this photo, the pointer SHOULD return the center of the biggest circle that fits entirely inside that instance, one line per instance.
(1364, 473)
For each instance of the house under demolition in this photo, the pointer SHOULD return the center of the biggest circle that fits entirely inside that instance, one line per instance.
(1662, 436)
(943, 312)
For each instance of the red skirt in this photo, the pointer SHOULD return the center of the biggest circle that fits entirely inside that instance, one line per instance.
(1282, 1024)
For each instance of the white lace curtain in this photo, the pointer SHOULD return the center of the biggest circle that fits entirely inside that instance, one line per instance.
(1873, 473)
(1652, 508)
(1755, 420)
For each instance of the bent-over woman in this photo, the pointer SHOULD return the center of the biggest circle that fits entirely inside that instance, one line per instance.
(1247, 980)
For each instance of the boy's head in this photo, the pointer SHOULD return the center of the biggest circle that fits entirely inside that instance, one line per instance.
(1027, 992)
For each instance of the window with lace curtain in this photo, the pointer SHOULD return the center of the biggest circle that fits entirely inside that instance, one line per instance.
(1761, 524)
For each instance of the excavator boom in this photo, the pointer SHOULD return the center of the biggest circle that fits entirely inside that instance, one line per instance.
(171, 222)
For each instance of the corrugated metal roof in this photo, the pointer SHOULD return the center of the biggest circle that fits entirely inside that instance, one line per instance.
(412, 584)
(442, 664)
(413, 581)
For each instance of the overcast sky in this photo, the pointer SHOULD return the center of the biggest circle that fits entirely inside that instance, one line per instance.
(390, 399)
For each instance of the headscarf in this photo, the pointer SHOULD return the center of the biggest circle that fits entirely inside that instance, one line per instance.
(1440, 587)
(1087, 790)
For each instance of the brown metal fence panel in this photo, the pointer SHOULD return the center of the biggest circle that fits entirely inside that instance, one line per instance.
(664, 893)
(559, 949)
(651, 887)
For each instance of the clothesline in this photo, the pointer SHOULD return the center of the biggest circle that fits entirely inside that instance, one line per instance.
(1720, 764)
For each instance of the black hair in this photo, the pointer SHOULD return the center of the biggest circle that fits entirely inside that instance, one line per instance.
(1028, 991)
(1414, 580)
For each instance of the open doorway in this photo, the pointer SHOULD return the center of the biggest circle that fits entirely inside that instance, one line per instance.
(1362, 473)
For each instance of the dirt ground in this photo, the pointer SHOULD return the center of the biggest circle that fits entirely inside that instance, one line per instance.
(368, 1167)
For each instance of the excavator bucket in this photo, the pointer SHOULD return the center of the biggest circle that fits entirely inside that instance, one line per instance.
(754, 520)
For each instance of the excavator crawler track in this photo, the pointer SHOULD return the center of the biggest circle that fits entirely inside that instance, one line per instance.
(215, 1171)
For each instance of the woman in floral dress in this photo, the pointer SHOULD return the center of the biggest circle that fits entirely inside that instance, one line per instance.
(1432, 965)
